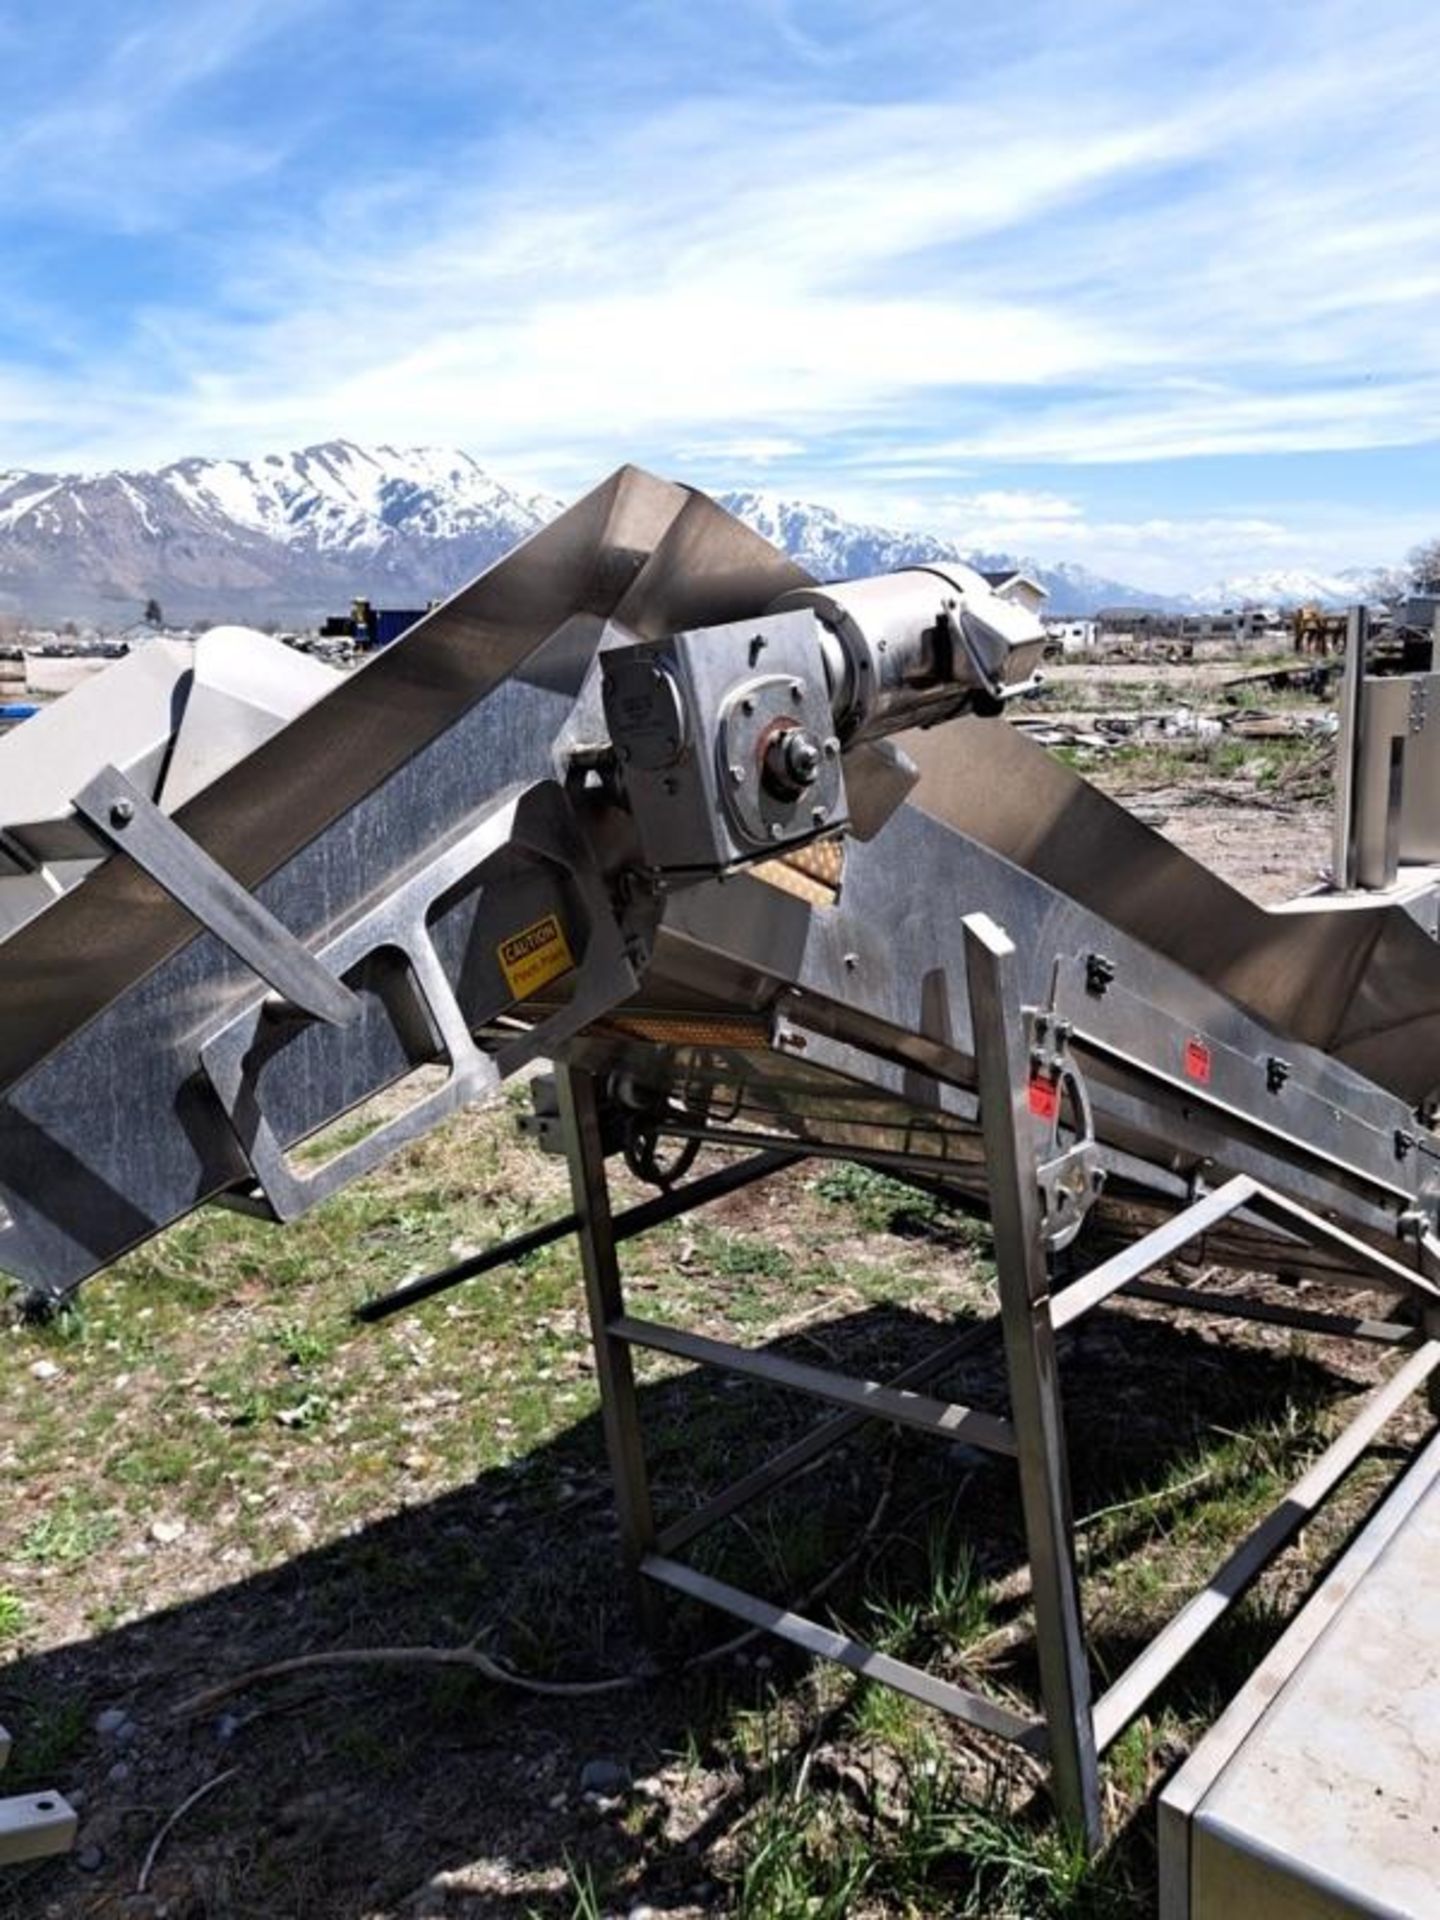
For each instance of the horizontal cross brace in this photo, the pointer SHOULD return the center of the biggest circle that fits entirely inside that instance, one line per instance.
(831, 1431)
(942, 1417)
(1119, 1705)
(827, 1644)
(1340, 1326)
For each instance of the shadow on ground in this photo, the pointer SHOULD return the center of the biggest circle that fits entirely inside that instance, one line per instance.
(389, 1792)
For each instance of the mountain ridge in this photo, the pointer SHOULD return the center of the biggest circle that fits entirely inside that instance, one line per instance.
(291, 536)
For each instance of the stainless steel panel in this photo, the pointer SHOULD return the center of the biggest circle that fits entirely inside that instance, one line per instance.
(1364, 986)
(110, 990)
(244, 688)
(126, 715)
(641, 550)
(350, 805)
(1315, 1795)
(1397, 811)
(883, 969)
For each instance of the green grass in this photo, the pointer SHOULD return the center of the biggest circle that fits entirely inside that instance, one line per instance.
(69, 1532)
(877, 1203)
(1297, 767)
(304, 1347)
(918, 1844)
(740, 1256)
(218, 1375)
(12, 1616)
(585, 1892)
(948, 1607)
(48, 1732)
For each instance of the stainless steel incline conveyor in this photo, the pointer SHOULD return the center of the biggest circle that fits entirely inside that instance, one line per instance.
(757, 863)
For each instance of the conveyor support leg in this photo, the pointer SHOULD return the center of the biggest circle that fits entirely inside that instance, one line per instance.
(1002, 1071)
(605, 1301)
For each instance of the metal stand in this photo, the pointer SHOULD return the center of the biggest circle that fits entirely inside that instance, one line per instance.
(1074, 1730)
(1003, 1074)
(605, 1300)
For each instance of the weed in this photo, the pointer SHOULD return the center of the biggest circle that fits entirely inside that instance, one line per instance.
(65, 1325)
(69, 1532)
(48, 1731)
(950, 1610)
(875, 1199)
(587, 1904)
(879, 1203)
(801, 1862)
(303, 1346)
(738, 1256)
(1015, 1869)
(894, 1719)
(300, 1415)
(12, 1616)
(162, 1461)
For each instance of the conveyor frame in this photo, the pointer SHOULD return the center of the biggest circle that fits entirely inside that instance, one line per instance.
(1074, 1727)
(552, 823)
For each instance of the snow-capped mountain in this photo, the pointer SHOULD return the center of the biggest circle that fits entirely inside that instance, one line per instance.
(291, 536)
(340, 498)
(1295, 587)
(834, 548)
(287, 536)
(828, 545)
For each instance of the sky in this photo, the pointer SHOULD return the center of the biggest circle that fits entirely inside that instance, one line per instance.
(1150, 287)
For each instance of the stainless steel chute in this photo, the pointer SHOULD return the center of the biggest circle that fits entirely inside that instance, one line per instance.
(646, 801)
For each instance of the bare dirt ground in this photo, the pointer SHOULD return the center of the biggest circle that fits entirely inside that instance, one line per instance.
(212, 1467)
(1257, 812)
(1270, 848)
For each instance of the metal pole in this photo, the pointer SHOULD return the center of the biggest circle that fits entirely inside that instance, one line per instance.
(605, 1301)
(1002, 1074)
(637, 1219)
(1351, 714)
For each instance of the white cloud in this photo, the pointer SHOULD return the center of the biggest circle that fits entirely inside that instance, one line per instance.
(98, 138)
(1147, 239)
(758, 451)
(1165, 553)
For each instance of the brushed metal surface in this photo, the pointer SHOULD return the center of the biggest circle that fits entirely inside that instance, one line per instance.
(111, 990)
(1315, 1796)
(1364, 986)
(643, 551)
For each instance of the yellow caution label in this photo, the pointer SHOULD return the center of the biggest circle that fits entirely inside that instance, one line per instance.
(537, 954)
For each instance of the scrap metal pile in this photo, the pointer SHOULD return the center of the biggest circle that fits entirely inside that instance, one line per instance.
(754, 862)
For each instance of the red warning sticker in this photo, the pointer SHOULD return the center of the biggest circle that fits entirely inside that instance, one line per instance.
(1044, 1097)
(1197, 1060)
